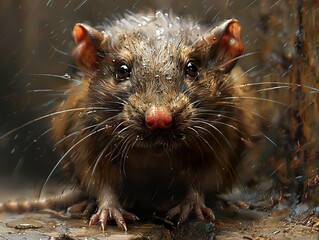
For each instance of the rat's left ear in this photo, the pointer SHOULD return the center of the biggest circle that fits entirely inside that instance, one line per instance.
(222, 45)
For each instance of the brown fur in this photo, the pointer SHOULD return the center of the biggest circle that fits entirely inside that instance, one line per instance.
(154, 169)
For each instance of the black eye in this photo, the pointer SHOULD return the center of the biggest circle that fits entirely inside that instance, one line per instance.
(123, 72)
(191, 69)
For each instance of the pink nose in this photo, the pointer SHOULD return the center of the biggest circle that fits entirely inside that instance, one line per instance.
(158, 118)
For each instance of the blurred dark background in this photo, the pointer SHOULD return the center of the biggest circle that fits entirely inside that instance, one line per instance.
(35, 47)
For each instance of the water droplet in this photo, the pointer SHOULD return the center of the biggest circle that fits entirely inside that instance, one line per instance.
(159, 15)
(139, 138)
(67, 76)
(159, 31)
(169, 78)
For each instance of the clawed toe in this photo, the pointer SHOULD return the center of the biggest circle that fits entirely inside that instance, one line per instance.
(118, 215)
(83, 209)
(184, 209)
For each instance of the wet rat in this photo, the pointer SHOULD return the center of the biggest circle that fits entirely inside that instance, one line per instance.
(156, 122)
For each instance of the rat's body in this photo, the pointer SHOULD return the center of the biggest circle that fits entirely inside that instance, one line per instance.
(159, 128)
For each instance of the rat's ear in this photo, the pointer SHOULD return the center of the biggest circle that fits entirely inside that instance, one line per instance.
(222, 45)
(88, 45)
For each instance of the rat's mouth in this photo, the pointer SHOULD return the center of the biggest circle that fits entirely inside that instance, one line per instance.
(160, 140)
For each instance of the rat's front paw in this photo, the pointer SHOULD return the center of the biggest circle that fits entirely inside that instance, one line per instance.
(104, 215)
(192, 203)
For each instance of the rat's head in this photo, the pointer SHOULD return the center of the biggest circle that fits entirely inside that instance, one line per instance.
(163, 83)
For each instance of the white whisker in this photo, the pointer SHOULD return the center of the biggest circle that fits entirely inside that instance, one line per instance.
(51, 115)
(255, 98)
(64, 155)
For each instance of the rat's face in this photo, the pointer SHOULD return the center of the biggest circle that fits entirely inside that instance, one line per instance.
(162, 83)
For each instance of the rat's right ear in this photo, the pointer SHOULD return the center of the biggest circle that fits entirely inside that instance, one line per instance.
(88, 42)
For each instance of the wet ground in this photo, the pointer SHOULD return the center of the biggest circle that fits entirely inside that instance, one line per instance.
(231, 223)
(45, 226)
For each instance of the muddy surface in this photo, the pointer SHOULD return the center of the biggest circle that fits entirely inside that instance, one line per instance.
(232, 223)
(45, 226)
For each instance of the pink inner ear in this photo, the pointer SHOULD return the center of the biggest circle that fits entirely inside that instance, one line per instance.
(234, 29)
(230, 47)
(79, 33)
(84, 51)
